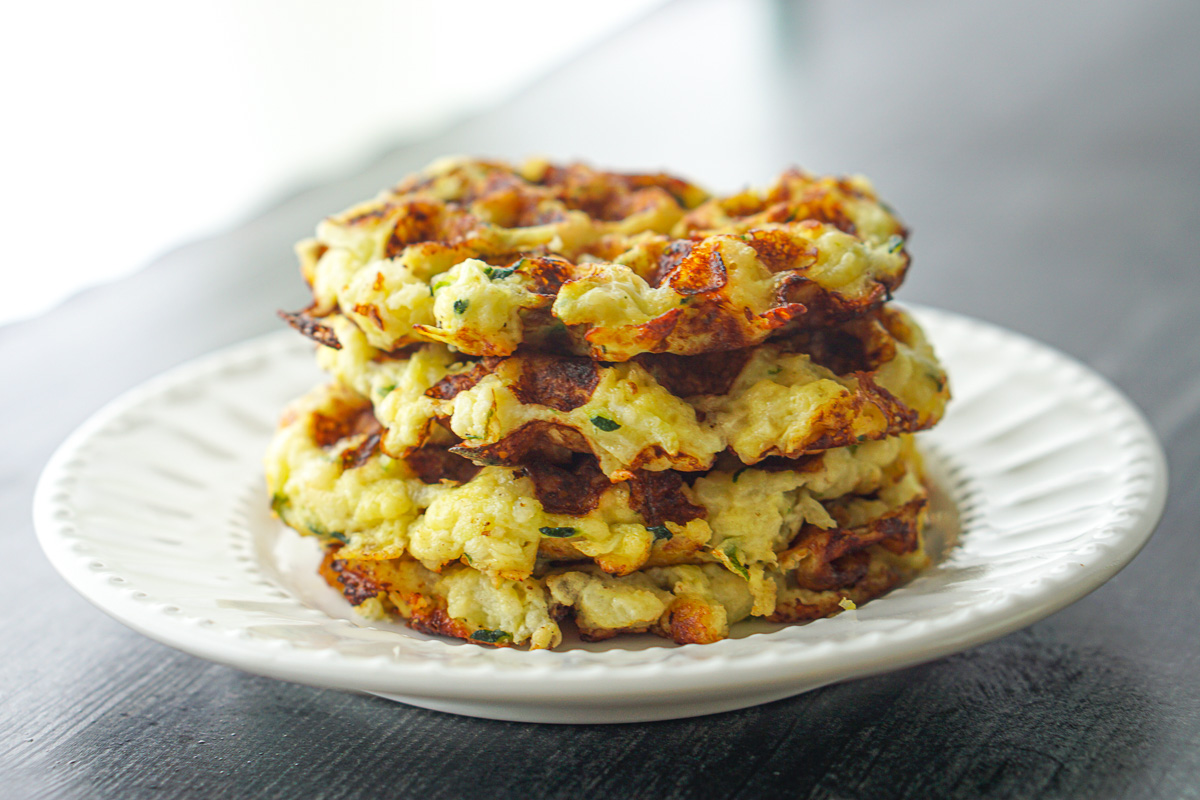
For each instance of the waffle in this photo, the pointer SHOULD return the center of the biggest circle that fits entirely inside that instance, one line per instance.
(687, 603)
(864, 380)
(484, 258)
(328, 478)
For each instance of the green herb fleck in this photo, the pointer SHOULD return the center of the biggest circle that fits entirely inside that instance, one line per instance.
(279, 502)
(502, 272)
(684, 301)
(317, 530)
(384, 391)
(559, 533)
(438, 285)
(730, 552)
(460, 306)
(862, 438)
(738, 474)
(604, 423)
(491, 637)
(895, 243)
(774, 370)
(660, 532)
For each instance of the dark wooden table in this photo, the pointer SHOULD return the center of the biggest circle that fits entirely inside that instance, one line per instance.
(1047, 161)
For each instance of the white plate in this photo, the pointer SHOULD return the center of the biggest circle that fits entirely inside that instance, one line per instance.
(155, 511)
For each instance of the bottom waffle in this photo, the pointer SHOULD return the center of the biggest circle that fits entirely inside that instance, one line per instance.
(822, 572)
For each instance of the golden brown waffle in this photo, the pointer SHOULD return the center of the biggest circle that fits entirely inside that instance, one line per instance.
(328, 478)
(687, 603)
(485, 257)
(814, 390)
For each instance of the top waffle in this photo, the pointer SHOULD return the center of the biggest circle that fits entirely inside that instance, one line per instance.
(484, 257)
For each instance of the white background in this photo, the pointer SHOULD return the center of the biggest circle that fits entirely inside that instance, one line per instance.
(132, 126)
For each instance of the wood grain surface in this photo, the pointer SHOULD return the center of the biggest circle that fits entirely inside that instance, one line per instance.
(1047, 160)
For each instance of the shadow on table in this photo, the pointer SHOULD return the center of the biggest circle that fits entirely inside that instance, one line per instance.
(1014, 718)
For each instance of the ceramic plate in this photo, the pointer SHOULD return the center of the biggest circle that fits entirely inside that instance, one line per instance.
(1048, 482)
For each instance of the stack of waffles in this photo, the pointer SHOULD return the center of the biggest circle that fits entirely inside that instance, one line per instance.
(562, 398)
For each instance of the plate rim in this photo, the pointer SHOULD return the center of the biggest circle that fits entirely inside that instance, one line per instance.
(481, 679)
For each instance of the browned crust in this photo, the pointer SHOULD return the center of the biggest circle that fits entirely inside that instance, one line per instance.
(449, 387)
(689, 376)
(834, 427)
(836, 557)
(793, 197)
(612, 195)
(417, 221)
(701, 271)
(860, 345)
(546, 274)
(660, 497)
(780, 252)
(899, 416)
(868, 588)
(692, 621)
(356, 456)
(538, 446)
(574, 490)
(348, 418)
(434, 464)
(310, 327)
(711, 319)
(546, 440)
(371, 312)
(430, 618)
(805, 463)
(671, 255)
(824, 308)
(356, 583)
(533, 441)
(559, 382)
